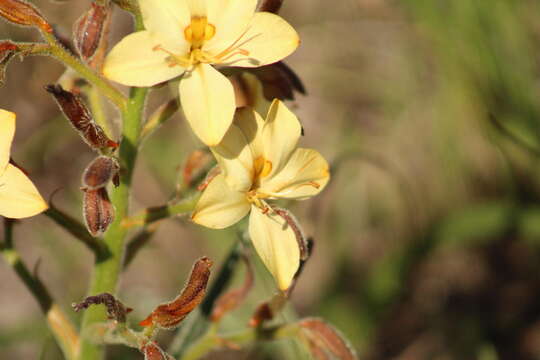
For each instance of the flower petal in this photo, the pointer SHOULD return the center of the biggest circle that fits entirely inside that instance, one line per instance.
(219, 206)
(276, 244)
(230, 19)
(251, 125)
(268, 39)
(208, 102)
(135, 61)
(234, 158)
(7, 131)
(280, 135)
(305, 175)
(19, 198)
(168, 18)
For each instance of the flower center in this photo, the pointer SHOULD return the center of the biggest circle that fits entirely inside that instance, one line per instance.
(199, 31)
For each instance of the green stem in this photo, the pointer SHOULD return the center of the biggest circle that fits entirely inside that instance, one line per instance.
(76, 229)
(212, 340)
(154, 214)
(107, 270)
(60, 53)
(62, 329)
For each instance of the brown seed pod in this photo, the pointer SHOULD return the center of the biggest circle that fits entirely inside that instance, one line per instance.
(23, 13)
(324, 341)
(152, 351)
(98, 211)
(79, 116)
(169, 315)
(88, 30)
(99, 172)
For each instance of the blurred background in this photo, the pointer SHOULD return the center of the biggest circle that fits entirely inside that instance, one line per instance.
(427, 240)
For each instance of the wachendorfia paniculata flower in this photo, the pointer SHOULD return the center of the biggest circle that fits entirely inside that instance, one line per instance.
(188, 37)
(259, 162)
(19, 198)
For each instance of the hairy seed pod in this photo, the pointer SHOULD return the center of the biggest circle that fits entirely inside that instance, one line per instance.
(324, 341)
(88, 30)
(272, 6)
(152, 351)
(78, 114)
(99, 172)
(23, 13)
(98, 211)
(169, 315)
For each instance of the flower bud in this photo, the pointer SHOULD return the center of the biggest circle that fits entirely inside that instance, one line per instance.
(23, 13)
(99, 172)
(80, 117)
(88, 30)
(98, 211)
(169, 315)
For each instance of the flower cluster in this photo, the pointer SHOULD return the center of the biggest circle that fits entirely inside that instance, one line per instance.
(258, 158)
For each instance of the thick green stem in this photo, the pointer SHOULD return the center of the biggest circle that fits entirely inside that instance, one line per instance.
(107, 269)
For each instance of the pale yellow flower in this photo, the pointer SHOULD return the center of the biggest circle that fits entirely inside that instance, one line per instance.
(185, 37)
(19, 198)
(259, 161)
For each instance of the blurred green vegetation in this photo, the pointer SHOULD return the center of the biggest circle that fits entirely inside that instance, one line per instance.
(427, 241)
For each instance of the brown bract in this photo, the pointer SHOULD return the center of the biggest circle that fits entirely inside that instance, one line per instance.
(80, 117)
(99, 172)
(169, 315)
(23, 13)
(324, 341)
(272, 6)
(152, 351)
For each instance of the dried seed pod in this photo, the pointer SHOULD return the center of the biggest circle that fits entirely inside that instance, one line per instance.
(23, 13)
(233, 298)
(88, 30)
(272, 6)
(78, 114)
(324, 341)
(115, 309)
(99, 172)
(169, 315)
(152, 351)
(98, 211)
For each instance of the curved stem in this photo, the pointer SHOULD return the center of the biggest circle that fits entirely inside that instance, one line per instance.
(59, 52)
(107, 269)
(62, 329)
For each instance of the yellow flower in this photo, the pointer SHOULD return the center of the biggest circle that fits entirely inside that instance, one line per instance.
(259, 161)
(19, 198)
(185, 37)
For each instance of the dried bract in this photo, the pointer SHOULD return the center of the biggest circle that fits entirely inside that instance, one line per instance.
(233, 298)
(99, 172)
(152, 351)
(98, 211)
(262, 313)
(195, 164)
(88, 30)
(23, 13)
(78, 114)
(169, 315)
(279, 81)
(272, 6)
(324, 341)
(115, 309)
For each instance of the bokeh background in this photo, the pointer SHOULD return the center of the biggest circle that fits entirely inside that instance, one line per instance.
(427, 240)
